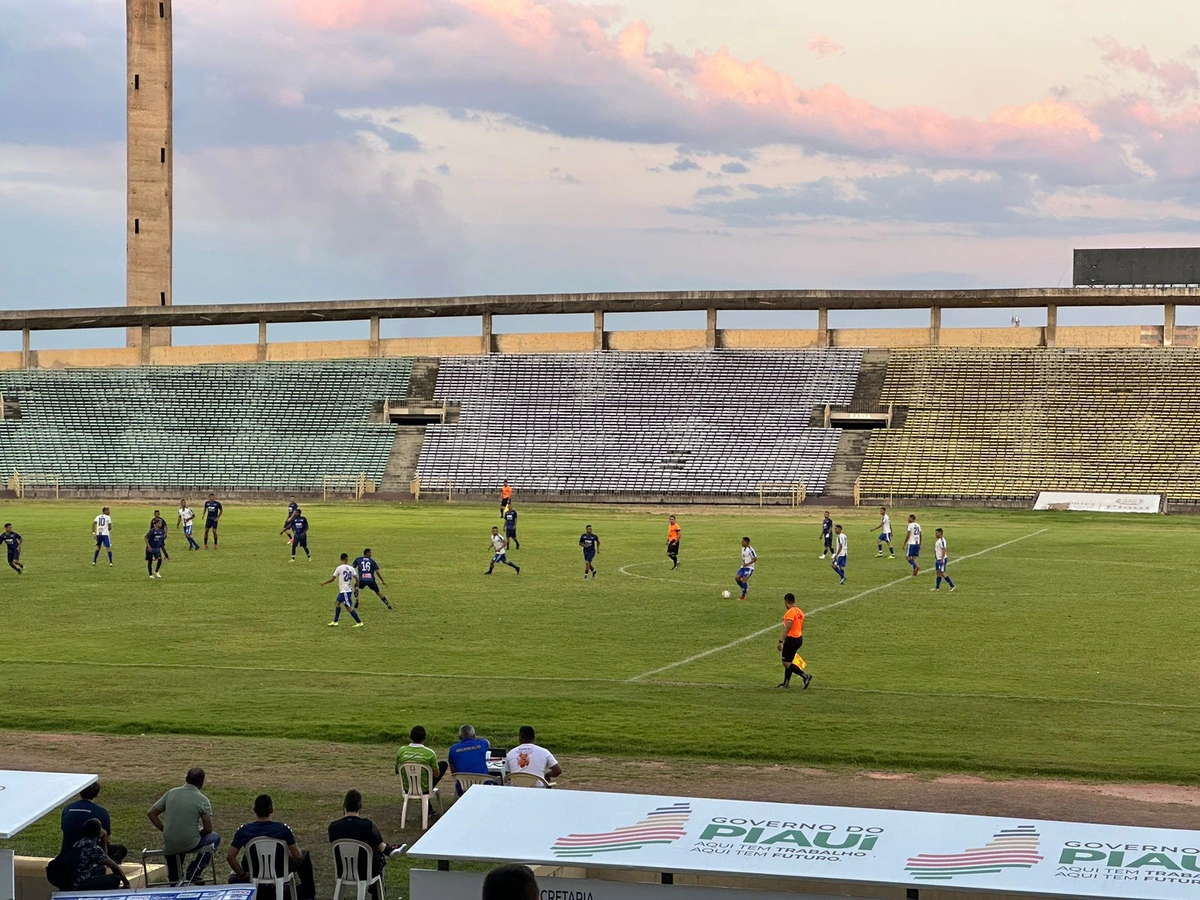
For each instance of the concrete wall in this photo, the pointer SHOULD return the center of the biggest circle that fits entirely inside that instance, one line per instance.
(1089, 336)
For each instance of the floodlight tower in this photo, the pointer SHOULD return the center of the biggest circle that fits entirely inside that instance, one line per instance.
(150, 152)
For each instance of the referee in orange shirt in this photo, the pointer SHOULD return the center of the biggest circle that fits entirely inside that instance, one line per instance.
(793, 637)
(673, 542)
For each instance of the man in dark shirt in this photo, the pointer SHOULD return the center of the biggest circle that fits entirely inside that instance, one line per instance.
(156, 539)
(12, 541)
(292, 509)
(369, 576)
(354, 826)
(212, 518)
(826, 535)
(265, 826)
(91, 862)
(510, 526)
(158, 523)
(591, 546)
(299, 528)
(75, 816)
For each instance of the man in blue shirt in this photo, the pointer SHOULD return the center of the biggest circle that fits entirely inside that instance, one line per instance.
(369, 576)
(591, 546)
(156, 538)
(74, 815)
(292, 509)
(510, 527)
(300, 534)
(157, 522)
(470, 754)
(12, 541)
(212, 518)
(264, 826)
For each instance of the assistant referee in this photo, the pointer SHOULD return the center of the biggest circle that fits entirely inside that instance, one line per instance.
(793, 637)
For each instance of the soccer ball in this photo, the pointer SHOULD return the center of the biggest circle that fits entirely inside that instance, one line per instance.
(726, 594)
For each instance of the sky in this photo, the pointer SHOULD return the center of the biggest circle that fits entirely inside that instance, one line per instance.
(330, 149)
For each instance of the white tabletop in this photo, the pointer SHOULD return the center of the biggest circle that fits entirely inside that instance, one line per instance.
(27, 796)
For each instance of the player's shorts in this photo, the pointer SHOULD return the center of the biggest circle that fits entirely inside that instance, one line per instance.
(369, 585)
(840, 562)
(103, 540)
(187, 528)
(210, 524)
(672, 548)
(14, 554)
(828, 539)
(300, 540)
(940, 565)
(346, 600)
(499, 558)
(589, 555)
(914, 549)
(885, 538)
(745, 572)
(154, 554)
(791, 646)
(510, 532)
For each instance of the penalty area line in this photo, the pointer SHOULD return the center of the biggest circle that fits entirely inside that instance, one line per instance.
(880, 587)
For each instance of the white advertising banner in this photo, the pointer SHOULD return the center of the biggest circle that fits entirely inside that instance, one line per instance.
(426, 884)
(882, 847)
(27, 796)
(1081, 501)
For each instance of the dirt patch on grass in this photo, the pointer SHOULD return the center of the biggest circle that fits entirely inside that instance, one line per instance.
(322, 768)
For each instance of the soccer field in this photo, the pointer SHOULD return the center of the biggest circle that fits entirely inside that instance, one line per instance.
(1071, 646)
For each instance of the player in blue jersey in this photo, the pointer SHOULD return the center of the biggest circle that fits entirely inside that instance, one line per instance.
(156, 538)
(292, 509)
(300, 534)
(369, 577)
(102, 531)
(826, 535)
(510, 526)
(344, 576)
(212, 519)
(12, 542)
(591, 546)
(157, 522)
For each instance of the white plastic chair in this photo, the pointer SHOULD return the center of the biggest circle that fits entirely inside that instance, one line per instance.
(528, 780)
(352, 864)
(413, 777)
(464, 780)
(267, 856)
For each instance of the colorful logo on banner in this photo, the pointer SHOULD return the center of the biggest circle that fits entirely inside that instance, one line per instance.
(1010, 848)
(664, 825)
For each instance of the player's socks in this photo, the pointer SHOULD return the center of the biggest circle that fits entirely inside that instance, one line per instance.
(518, 568)
(354, 616)
(337, 613)
(949, 582)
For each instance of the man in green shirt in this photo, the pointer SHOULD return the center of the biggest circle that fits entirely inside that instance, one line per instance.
(417, 752)
(187, 827)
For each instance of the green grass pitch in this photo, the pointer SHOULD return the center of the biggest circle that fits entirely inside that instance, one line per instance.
(1072, 649)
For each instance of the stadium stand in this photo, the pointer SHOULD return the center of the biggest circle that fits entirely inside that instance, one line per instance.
(256, 426)
(1005, 424)
(637, 423)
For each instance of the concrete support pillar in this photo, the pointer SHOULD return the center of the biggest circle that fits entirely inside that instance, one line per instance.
(1051, 326)
(486, 343)
(262, 341)
(144, 346)
(598, 330)
(373, 345)
(935, 325)
(822, 327)
(26, 356)
(710, 332)
(1168, 324)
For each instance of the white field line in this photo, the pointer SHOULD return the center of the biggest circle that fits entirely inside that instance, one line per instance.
(819, 609)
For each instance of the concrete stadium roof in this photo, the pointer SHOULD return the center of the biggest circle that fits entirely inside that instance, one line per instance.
(545, 304)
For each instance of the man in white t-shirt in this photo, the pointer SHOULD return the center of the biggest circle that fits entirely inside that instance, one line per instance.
(102, 532)
(749, 559)
(885, 533)
(186, 517)
(529, 757)
(344, 576)
(914, 544)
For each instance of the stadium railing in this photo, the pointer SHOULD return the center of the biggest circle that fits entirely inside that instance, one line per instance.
(794, 493)
(357, 485)
(20, 482)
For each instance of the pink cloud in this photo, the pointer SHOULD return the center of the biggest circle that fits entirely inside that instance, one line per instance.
(822, 46)
(1173, 78)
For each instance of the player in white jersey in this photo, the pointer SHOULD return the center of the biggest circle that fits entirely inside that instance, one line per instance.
(749, 558)
(185, 519)
(102, 532)
(940, 559)
(885, 532)
(841, 552)
(345, 578)
(914, 544)
(500, 552)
